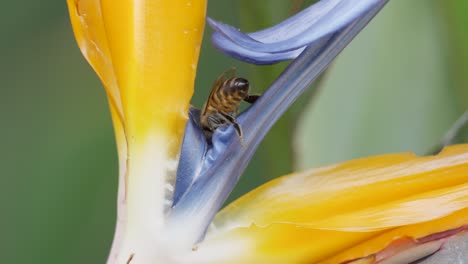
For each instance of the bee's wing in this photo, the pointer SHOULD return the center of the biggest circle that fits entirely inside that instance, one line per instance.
(218, 84)
(223, 77)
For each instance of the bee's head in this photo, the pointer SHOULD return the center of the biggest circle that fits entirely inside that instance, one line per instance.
(241, 85)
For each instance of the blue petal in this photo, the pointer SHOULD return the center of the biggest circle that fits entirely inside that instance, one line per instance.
(310, 25)
(237, 52)
(191, 156)
(216, 168)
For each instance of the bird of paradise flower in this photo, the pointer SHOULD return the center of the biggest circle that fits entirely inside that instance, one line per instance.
(172, 183)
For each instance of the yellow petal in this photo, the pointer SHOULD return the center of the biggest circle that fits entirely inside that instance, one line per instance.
(312, 215)
(383, 239)
(155, 47)
(146, 53)
(88, 26)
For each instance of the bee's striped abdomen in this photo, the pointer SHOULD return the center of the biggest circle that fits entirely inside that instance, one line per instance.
(229, 95)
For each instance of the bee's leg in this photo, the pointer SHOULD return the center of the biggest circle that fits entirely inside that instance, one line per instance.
(251, 98)
(239, 133)
(237, 127)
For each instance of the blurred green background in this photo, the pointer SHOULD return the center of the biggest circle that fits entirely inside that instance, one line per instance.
(398, 87)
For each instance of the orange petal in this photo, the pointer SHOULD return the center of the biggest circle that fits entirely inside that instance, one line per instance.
(316, 214)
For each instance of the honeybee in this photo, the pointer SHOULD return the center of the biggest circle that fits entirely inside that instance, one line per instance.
(223, 103)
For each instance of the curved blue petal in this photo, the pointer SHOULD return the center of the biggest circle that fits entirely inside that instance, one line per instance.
(191, 156)
(220, 166)
(310, 25)
(237, 52)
